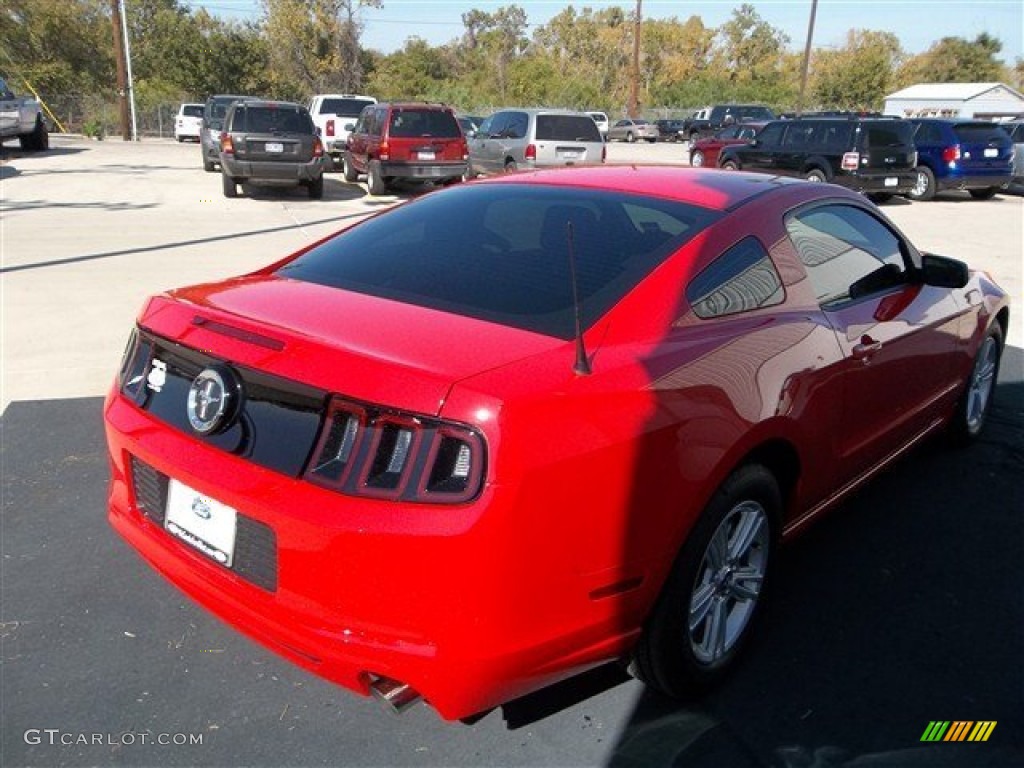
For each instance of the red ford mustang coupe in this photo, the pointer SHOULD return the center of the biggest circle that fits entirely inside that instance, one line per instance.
(518, 428)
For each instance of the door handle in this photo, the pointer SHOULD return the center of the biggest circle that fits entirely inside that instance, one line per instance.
(867, 348)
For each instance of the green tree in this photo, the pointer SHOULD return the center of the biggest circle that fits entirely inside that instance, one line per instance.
(956, 60)
(858, 75)
(751, 49)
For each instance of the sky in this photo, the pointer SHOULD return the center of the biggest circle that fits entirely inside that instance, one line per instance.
(918, 23)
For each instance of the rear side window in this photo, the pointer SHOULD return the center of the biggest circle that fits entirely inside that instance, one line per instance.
(886, 134)
(741, 279)
(846, 251)
(500, 252)
(272, 120)
(566, 128)
(979, 133)
(415, 123)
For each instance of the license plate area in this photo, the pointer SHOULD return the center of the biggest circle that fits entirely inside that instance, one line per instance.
(201, 522)
(891, 181)
(992, 152)
(426, 155)
(274, 147)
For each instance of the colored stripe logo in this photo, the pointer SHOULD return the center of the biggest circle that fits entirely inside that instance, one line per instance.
(958, 730)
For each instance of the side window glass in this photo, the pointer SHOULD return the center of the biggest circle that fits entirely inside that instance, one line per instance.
(847, 252)
(518, 125)
(772, 134)
(741, 279)
(485, 126)
(499, 124)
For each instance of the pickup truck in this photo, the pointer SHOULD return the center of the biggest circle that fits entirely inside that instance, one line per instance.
(22, 118)
(708, 121)
(331, 113)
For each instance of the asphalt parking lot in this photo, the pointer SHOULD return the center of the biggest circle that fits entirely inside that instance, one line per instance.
(902, 608)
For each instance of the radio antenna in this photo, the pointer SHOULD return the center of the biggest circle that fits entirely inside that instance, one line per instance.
(582, 366)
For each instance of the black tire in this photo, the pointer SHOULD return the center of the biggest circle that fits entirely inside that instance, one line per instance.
(697, 159)
(630, 138)
(816, 175)
(924, 188)
(38, 140)
(348, 170)
(375, 183)
(880, 197)
(510, 166)
(984, 194)
(316, 188)
(207, 165)
(741, 521)
(979, 389)
(229, 185)
(730, 165)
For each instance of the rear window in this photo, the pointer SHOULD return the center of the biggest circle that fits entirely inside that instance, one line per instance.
(500, 252)
(272, 120)
(896, 133)
(192, 110)
(566, 128)
(412, 123)
(343, 107)
(979, 133)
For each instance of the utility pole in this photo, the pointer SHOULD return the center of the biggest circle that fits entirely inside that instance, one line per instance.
(128, 62)
(122, 77)
(634, 80)
(807, 59)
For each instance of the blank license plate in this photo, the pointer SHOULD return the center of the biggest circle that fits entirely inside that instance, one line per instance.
(275, 146)
(426, 155)
(201, 522)
(991, 152)
(891, 181)
(572, 155)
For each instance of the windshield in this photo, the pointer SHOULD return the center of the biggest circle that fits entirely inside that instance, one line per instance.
(500, 252)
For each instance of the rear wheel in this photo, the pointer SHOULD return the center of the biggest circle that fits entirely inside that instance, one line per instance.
(316, 189)
(924, 184)
(730, 165)
(375, 183)
(880, 197)
(510, 166)
(984, 194)
(630, 137)
(38, 140)
(707, 607)
(207, 165)
(816, 175)
(229, 184)
(348, 170)
(974, 405)
(697, 159)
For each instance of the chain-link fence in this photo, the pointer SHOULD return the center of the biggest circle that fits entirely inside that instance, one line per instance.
(96, 115)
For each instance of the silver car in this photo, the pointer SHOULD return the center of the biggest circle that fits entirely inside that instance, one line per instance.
(534, 138)
(1016, 131)
(632, 130)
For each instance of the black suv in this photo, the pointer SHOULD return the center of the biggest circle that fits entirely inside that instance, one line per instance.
(272, 143)
(710, 120)
(875, 155)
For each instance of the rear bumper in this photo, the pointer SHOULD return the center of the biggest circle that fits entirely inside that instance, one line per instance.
(434, 598)
(423, 170)
(271, 172)
(974, 180)
(879, 182)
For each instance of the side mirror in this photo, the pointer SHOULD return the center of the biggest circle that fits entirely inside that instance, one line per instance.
(943, 272)
(470, 134)
(755, 142)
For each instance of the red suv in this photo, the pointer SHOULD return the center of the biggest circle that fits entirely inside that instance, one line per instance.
(413, 141)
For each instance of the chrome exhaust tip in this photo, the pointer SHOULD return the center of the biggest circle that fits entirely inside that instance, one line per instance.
(397, 696)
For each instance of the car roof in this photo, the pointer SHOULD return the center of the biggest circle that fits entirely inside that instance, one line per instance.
(707, 188)
(416, 105)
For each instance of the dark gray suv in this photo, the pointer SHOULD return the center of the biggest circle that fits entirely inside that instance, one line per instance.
(209, 131)
(272, 143)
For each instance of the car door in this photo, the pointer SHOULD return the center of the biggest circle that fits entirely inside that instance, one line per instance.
(761, 154)
(485, 149)
(898, 336)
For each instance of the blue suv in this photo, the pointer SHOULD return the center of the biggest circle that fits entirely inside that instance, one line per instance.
(961, 154)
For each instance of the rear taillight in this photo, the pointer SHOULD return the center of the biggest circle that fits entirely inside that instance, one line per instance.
(330, 127)
(318, 147)
(530, 153)
(850, 161)
(227, 146)
(385, 151)
(464, 148)
(951, 154)
(364, 451)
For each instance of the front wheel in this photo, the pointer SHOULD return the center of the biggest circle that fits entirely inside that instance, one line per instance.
(976, 401)
(630, 138)
(697, 159)
(984, 194)
(707, 607)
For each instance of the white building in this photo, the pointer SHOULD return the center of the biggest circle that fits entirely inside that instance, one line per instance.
(989, 101)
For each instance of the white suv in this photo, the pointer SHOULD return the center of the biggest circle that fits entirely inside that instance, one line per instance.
(334, 115)
(188, 122)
